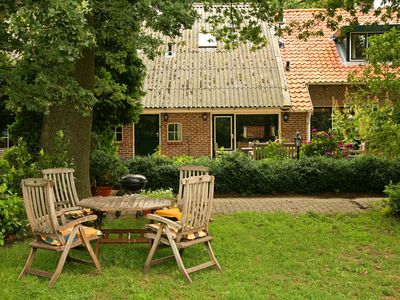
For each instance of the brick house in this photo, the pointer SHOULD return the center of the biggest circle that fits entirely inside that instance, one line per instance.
(201, 97)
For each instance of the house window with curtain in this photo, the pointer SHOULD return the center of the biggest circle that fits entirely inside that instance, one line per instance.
(174, 133)
(118, 136)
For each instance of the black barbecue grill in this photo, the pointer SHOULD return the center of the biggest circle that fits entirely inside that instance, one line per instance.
(133, 183)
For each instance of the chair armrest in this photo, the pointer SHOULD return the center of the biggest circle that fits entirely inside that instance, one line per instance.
(166, 221)
(79, 221)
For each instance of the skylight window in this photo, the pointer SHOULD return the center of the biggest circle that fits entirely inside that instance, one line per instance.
(207, 40)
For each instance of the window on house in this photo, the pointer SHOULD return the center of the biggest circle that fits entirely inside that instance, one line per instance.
(256, 128)
(207, 40)
(358, 44)
(118, 134)
(174, 132)
(321, 119)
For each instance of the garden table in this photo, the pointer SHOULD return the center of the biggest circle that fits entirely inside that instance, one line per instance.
(127, 203)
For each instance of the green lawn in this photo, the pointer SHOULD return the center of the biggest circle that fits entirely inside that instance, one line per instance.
(267, 256)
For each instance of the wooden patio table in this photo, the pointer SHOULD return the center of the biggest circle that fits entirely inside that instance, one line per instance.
(126, 203)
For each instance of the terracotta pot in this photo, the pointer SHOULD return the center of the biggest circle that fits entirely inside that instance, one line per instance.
(102, 191)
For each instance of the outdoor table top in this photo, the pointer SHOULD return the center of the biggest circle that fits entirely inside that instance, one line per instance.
(133, 202)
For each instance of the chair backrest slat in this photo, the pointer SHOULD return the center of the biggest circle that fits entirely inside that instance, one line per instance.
(198, 193)
(64, 186)
(186, 172)
(38, 197)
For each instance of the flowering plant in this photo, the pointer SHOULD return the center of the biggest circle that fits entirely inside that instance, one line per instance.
(325, 144)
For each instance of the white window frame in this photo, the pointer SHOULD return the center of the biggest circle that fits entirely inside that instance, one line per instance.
(367, 36)
(178, 132)
(117, 132)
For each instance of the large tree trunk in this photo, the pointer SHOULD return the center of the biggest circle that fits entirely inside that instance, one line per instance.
(76, 127)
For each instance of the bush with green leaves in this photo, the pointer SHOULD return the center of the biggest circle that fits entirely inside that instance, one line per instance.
(274, 150)
(12, 214)
(106, 168)
(236, 173)
(393, 192)
(16, 165)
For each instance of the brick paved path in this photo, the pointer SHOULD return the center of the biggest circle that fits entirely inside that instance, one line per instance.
(294, 204)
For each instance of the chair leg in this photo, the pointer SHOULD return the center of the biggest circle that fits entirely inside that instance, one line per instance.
(212, 256)
(28, 263)
(63, 257)
(153, 249)
(178, 258)
(86, 242)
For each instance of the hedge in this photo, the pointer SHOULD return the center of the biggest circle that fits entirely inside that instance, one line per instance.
(237, 174)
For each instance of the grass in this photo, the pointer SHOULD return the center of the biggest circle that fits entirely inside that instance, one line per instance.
(267, 256)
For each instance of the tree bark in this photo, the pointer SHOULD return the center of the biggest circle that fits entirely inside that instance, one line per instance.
(75, 126)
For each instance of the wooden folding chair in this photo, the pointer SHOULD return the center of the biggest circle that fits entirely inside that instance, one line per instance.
(184, 172)
(191, 230)
(49, 234)
(65, 195)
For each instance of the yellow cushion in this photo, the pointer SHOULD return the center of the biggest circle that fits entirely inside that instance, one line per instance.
(189, 236)
(79, 213)
(172, 212)
(53, 240)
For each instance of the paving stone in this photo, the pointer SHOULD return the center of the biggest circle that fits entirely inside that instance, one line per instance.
(295, 204)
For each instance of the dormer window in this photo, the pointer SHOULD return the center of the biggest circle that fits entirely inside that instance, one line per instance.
(207, 40)
(358, 44)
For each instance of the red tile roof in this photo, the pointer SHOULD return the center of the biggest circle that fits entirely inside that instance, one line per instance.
(315, 60)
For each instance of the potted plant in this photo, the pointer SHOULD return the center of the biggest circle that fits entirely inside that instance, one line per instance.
(105, 168)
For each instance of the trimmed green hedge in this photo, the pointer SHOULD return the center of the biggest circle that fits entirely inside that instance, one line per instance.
(236, 173)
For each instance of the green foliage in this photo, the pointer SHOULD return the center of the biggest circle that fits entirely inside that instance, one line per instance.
(49, 37)
(105, 168)
(60, 157)
(372, 112)
(18, 164)
(393, 192)
(382, 74)
(237, 174)
(273, 150)
(12, 214)
(28, 126)
(160, 171)
(160, 193)
(371, 121)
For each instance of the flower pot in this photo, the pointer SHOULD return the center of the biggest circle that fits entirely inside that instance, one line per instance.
(102, 191)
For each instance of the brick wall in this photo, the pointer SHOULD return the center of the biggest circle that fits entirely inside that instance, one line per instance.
(196, 139)
(297, 122)
(323, 95)
(125, 149)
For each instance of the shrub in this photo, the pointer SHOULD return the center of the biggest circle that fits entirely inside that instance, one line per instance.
(273, 150)
(393, 192)
(236, 173)
(12, 214)
(17, 165)
(106, 168)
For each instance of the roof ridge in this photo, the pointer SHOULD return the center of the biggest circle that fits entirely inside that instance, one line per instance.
(304, 9)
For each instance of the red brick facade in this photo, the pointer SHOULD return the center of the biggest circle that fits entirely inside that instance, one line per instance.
(297, 122)
(325, 95)
(125, 149)
(196, 135)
